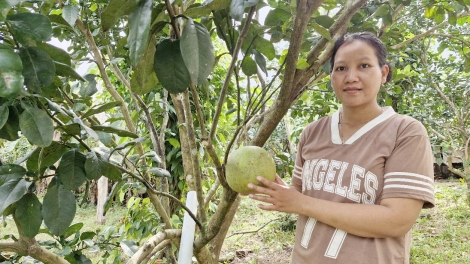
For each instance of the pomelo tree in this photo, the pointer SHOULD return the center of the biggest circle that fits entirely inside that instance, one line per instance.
(174, 87)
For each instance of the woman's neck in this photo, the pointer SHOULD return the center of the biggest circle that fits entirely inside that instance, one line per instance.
(359, 116)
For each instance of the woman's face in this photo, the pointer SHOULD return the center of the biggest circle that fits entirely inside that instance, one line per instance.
(357, 76)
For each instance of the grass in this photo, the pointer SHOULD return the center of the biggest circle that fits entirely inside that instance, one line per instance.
(440, 235)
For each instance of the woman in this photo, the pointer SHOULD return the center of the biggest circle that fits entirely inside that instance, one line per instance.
(362, 175)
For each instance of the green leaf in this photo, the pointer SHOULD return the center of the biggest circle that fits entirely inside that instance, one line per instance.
(90, 89)
(139, 27)
(159, 172)
(322, 31)
(71, 129)
(265, 47)
(115, 10)
(28, 214)
(11, 172)
(105, 138)
(144, 79)
(197, 51)
(261, 61)
(170, 68)
(237, 8)
(249, 66)
(58, 209)
(73, 229)
(430, 11)
(130, 143)
(387, 19)
(324, 21)
(65, 70)
(452, 18)
(110, 171)
(37, 126)
(3, 115)
(302, 64)
(11, 191)
(11, 68)
(277, 16)
(381, 11)
(70, 14)
(56, 54)
(30, 28)
(195, 11)
(9, 131)
(5, 6)
(129, 247)
(440, 15)
(71, 169)
(89, 131)
(58, 19)
(93, 166)
(38, 68)
(45, 157)
(174, 142)
(112, 130)
(102, 108)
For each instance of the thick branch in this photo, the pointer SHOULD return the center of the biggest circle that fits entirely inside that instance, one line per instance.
(305, 9)
(157, 248)
(152, 243)
(217, 220)
(29, 247)
(185, 148)
(107, 83)
(454, 170)
(196, 169)
(438, 134)
(427, 33)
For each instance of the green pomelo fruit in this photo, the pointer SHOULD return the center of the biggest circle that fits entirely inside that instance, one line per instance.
(244, 164)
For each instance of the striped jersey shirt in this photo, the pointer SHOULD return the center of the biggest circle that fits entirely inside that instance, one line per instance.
(389, 157)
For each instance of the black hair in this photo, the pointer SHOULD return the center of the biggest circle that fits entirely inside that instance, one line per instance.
(372, 41)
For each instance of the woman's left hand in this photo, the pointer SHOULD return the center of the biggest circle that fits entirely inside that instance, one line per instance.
(277, 195)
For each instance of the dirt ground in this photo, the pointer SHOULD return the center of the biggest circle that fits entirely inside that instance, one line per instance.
(248, 257)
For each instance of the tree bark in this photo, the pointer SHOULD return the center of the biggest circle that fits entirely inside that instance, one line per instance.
(215, 245)
(29, 246)
(149, 246)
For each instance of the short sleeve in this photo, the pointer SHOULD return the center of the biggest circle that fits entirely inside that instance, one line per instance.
(409, 169)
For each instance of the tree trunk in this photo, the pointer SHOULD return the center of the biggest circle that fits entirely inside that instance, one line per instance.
(215, 245)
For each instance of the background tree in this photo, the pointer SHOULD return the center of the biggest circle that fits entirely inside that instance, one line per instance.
(176, 86)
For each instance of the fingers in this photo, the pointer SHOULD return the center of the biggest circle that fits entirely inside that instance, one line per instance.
(279, 181)
(257, 189)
